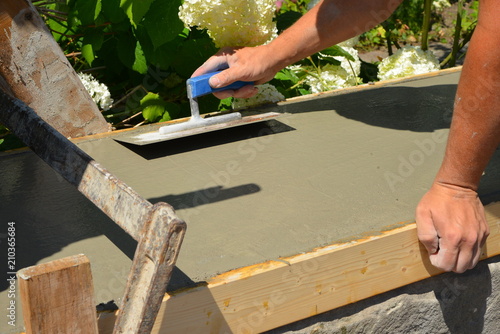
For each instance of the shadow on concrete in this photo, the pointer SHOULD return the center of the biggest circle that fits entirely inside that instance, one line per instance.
(209, 139)
(420, 109)
(49, 214)
(206, 196)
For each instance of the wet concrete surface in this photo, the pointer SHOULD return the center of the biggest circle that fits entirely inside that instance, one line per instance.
(334, 167)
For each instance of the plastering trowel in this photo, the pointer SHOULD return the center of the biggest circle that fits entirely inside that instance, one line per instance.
(196, 87)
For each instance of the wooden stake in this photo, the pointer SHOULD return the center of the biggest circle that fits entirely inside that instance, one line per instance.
(58, 297)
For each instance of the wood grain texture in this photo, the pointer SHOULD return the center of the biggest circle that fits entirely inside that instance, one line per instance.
(35, 70)
(58, 297)
(268, 295)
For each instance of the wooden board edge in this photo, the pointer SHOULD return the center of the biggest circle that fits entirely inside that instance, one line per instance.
(373, 85)
(261, 297)
(63, 284)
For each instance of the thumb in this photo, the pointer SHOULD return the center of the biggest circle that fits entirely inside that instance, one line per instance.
(426, 231)
(222, 79)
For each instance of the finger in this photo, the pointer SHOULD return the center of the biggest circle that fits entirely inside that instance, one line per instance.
(224, 94)
(244, 92)
(213, 64)
(445, 258)
(465, 259)
(470, 250)
(426, 231)
(222, 79)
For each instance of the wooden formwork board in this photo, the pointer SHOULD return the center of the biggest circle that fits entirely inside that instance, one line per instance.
(275, 293)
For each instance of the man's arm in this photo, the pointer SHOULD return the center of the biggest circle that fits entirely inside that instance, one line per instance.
(328, 23)
(450, 218)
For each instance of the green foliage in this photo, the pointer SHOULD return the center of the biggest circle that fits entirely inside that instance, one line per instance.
(135, 47)
(403, 25)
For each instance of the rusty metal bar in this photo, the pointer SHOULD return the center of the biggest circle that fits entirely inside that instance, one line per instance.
(157, 228)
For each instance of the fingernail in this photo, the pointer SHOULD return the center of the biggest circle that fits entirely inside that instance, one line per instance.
(214, 82)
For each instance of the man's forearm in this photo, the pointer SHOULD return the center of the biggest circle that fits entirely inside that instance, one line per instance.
(475, 129)
(328, 23)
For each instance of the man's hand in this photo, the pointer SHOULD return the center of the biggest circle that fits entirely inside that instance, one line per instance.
(452, 226)
(239, 64)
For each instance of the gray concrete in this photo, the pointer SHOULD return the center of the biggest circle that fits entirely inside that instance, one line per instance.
(336, 167)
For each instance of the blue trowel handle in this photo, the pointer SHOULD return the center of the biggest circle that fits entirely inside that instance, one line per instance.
(199, 85)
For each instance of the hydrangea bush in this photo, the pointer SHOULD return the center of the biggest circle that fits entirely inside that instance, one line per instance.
(333, 76)
(232, 22)
(409, 60)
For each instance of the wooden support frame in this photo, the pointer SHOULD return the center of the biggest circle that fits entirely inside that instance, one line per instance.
(58, 297)
(268, 295)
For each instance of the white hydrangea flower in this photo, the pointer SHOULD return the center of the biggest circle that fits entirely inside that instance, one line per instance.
(409, 60)
(439, 5)
(349, 65)
(336, 76)
(98, 91)
(331, 77)
(267, 94)
(232, 22)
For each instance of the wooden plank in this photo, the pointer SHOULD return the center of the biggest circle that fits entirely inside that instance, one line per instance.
(58, 297)
(47, 82)
(268, 295)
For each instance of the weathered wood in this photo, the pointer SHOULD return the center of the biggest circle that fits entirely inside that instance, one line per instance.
(34, 69)
(157, 228)
(268, 295)
(58, 297)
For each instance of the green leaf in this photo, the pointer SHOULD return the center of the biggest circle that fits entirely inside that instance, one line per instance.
(111, 9)
(286, 19)
(125, 49)
(336, 50)
(332, 61)
(286, 75)
(153, 107)
(140, 64)
(226, 104)
(136, 9)
(172, 111)
(153, 113)
(162, 21)
(131, 54)
(162, 56)
(192, 54)
(88, 10)
(88, 53)
(166, 117)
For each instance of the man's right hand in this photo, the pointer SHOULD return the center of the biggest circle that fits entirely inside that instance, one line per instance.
(238, 64)
(452, 226)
